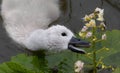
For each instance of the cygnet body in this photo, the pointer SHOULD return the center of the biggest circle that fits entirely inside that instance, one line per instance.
(26, 22)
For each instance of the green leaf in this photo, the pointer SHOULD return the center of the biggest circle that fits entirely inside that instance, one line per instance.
(65, 60)
(117, 70)
(18, 68)
(24, 60)
(111, 57)
(5, 69)
(23, 63)
(112, 42)
(32, 62)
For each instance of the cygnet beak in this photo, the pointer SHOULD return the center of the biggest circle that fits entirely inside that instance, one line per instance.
(76, 42)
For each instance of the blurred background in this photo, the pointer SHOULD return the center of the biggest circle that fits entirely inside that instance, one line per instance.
(72, 13)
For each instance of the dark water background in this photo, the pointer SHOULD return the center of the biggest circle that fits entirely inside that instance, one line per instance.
(73, 11)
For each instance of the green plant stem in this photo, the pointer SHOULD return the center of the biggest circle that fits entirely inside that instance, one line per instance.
(94, 52)
(94, 58)
(94, 62)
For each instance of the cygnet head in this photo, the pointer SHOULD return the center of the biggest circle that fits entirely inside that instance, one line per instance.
(59, 37)
(56, 38)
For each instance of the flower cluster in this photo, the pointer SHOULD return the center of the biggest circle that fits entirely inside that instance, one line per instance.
(94, 31)
(91, 23)
(78, 66)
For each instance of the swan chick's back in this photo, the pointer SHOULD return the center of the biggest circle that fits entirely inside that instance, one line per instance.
(22, 17)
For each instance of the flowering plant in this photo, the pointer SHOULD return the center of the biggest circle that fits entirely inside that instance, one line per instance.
(94, 31)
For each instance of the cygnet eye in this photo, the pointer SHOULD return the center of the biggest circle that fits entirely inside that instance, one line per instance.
(63, 34)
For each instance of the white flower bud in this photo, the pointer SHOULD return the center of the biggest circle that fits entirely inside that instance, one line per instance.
(92, 23)
(89, 34)
(100, 17)
(100, 14)
(104, 37)
(84, 28)
(103, 24)
(79, 66)
(86, 18)
(101, 11)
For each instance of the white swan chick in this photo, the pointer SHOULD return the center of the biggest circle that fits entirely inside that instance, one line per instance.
(26, 22)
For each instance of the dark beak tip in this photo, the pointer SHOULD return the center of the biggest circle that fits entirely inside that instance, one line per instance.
(82, 52)
(76, 42)
(79, 43)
